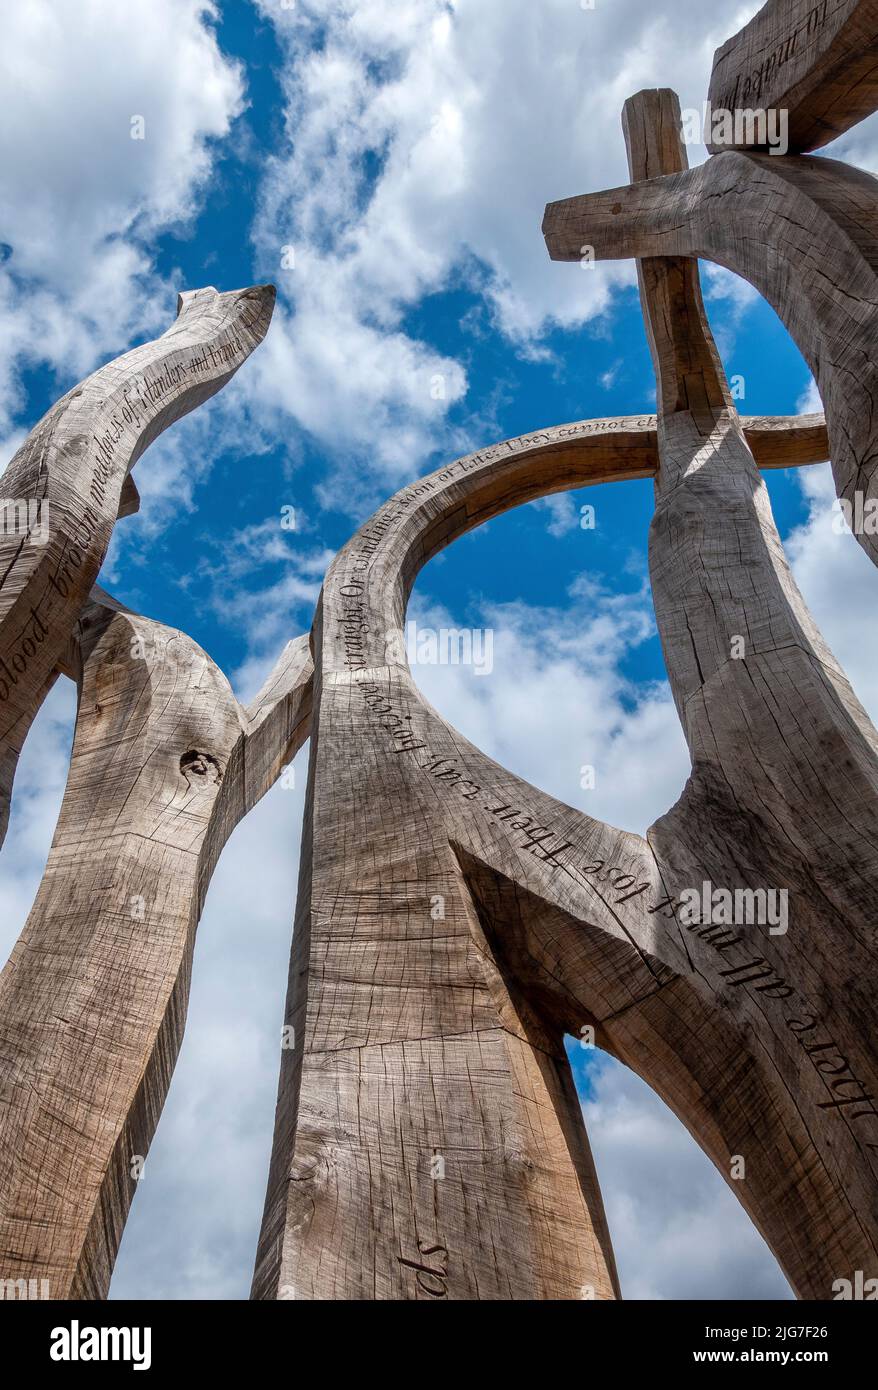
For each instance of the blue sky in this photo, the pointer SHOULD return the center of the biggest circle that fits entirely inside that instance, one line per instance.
(599, 368)
(404, 150)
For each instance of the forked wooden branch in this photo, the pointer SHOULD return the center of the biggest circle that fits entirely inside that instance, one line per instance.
(65, 487)
(93, 1000)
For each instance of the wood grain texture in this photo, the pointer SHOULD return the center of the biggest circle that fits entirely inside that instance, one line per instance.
(69, 481)
(804, 231)
(93, 999)
(453, 923)
(783, 792)
(413, 1033)
(777, 442)
(816, 60)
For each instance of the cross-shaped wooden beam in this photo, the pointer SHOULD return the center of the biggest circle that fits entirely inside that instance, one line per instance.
(804, 231)
(689, 374)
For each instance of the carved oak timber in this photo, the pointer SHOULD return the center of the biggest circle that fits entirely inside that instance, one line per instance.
(51, 997)
(804, 231)
(70, 480)
(435, 1036)
(93, 999)
(453, 923)
(814, 60)
(780, 750)
(425, 1039)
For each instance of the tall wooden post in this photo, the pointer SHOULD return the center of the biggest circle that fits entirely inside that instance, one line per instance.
(93, 998)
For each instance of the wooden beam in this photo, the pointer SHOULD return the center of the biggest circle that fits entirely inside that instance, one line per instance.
(93, 999)
(779, 744)
(805, 232)
(68, 483)
(689, 373)
(815, 62)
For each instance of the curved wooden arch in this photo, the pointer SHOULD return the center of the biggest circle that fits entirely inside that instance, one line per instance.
(422, 1038)
(428, 1043)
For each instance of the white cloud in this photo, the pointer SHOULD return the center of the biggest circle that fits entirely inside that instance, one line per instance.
(608, 378)
(561, 507)
(838, 582)
(423, 140)
(809, 403)
(858, 146)
(737, 295)
(79, 199)
(36, 801)
(264, 581)
(556, 701)
(678, 1230)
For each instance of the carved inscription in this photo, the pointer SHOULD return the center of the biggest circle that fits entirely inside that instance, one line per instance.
(748, 87)
(633, 887)
(623, 888)
(80, 539)
(431, 1278)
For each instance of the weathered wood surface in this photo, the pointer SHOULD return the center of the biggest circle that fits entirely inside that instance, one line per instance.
(10, 749)
(421, 1037)
(136, 843)
(453, 923)
(93, 999)
(66, 485)
(783, 792)
(815, 60)
(782, 441)
(804, 231)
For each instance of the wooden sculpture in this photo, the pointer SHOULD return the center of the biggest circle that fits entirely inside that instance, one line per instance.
(71, 478)
(453, 923)
(165, 764)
